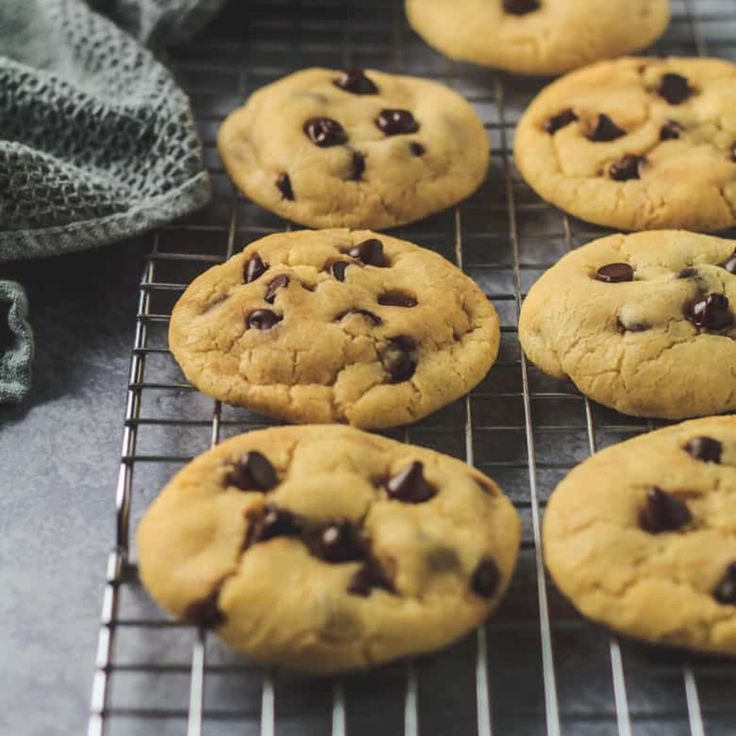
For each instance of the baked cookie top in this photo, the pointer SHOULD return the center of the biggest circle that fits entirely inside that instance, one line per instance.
(335, 326)
(636, 144)
(324, 548)
(538, 36)
(327, 148)
(641, 536)
(643, 323)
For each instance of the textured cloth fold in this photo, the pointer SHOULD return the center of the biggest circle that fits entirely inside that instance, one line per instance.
(16, 343)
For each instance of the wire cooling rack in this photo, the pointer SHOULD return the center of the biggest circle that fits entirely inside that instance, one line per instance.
(537, 667)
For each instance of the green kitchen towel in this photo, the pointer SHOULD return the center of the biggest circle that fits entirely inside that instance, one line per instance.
(97, 143)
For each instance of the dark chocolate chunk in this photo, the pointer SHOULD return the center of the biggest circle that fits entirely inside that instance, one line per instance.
(663, 512)
(730, 264)
(337, 269)
(614, 273)
(559, 121)
(374, 318)
(397, 299)
(283, 184)
(705, 448)
(409, 485)
(358, 166)
(339, 542)
(670, 131)
(687, 273)
(325, 132)
(371, 575)
(270, 521)
(369, 252)
(253, 472)
(725, 591)
(417, 149)
(205, 613)
(710, 313)
(263, 319)
(280, 282)
(485, 578)
(674, 88)
(733, 152)
(254, 269)
(398, 360)
(606, 130)
(520, 7)
(396, 122)
(629, 167)
(356, 81)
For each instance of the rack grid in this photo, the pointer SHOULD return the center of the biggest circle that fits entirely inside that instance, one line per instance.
(536, 667)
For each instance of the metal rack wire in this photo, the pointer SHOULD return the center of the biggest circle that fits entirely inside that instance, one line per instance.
(537, 667)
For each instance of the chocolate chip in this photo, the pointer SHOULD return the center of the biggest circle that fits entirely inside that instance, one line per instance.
(663, 512)
(355, 81)
(725, 591)
(254, 269)
(398, 360)
(370, 576)
(687, 273)
(631, 327)
(337, 269)
(417, 149)
(283, 184)
(733, 152)
(705, 448)
(205, 613)
(559, 121)
(374, 318)
(396, 122)
(606, 130)
(369, 252)
(520, 7)
(730, 264)
(358, 166)
(339, 542)
(268, 522)
(280, 282)
(409, 485)
(674, 88)
(670, 131)
(397, 299)
(711, 313)
(263, 319)
(614, 273)
(253, 472)
(325, 132)
(627, 168)
(485, 578)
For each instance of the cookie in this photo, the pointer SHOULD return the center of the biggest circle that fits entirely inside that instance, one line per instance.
(356, 148)
(642, 323)
(335, 326)
(641, 536)
(324, 548)
(537, 36)
(636, 144)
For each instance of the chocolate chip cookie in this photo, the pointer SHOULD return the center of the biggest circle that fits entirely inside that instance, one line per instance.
(641, 536)
(328, 148)
(636, 144)
(324, 548)
(538, 36)
(642, 323)
(335, 326)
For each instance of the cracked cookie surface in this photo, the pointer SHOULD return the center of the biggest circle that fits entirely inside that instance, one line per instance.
(636, 144)
(538, 36)
(335, 326)
(642, 323)
(641, 536)
(327, 148)
(324, 548)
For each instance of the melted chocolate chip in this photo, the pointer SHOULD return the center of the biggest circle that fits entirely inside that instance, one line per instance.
(559, 121)
(614, 273)
(280, 282)
(687, 273)
(663, 512)
(398, 360)
(397, 299)
(283, 184)
(205, 613)
(705, 448)
(325, 132)
(396, 122)
(409, 485)
(255, 268)
(370, 576)
(358, 166)
(417, 149)
(268, 522)
(355, 81)
(674, 88)
(253, 472)
(339, 542)
(725, 591)
(730, 264)
(263, 319)
(670, 131)
(374, 318)
(733, 152)
(337, 269)
(710, 313)
(606, 130)
(520, 7)
(627, 168)
(485, 578)
(369, 252)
